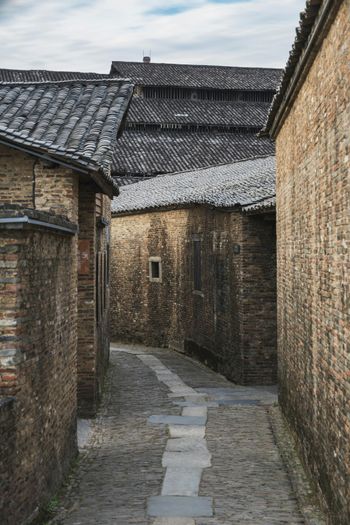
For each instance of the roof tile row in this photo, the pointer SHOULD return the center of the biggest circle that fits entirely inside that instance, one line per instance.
(147, 153)
(226, 186)
(77, 120)
(198, 76)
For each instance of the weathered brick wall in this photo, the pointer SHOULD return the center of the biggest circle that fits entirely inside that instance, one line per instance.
(37, 364)
(140, 310)
(93, 327)
(258, 323)
(16, 177)
(7, 450)
(39, 300)
(29, 182)
(231, 323)
(56, 190)
(313, 231)
(103, 219)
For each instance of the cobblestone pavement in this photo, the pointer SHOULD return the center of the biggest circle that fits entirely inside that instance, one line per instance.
(177, 444)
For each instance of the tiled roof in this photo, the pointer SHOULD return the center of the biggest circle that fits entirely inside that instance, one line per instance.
(261, 206)
(125, 180)
(306, 35)
(42, 75)
(150, 153)
(226, 186)
(74, 121)
(201, 112)
(186, 75)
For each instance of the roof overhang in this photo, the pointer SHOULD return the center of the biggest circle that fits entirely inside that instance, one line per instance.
(284, 100)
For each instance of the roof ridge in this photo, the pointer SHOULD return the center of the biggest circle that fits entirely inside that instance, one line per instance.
(196, 65)
(67, 81)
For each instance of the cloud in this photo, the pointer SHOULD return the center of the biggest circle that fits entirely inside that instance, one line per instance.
(87, 35)
(167, 11)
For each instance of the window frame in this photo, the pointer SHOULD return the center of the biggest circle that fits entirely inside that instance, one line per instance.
(158, 260)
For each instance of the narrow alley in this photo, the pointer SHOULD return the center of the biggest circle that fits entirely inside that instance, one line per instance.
(177, 444)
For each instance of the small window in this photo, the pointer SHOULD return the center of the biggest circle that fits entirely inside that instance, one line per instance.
(155, 269)
(197, 265)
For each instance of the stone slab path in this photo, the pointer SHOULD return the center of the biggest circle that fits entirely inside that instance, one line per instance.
(177, 444)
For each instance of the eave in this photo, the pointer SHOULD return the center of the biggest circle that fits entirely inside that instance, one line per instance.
(322, 23)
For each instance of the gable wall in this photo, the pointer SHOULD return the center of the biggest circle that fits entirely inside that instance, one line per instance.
(313, 232)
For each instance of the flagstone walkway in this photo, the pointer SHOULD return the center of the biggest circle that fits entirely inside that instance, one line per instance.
(177, 444)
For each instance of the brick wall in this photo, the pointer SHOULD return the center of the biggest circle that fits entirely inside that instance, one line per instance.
(7, 450)
(93, 308)
(140, 310)
(313, 231)
(16, 177)
(231, 322)
(31, 183)
(39, 301)
(56, 190)
(37, 365)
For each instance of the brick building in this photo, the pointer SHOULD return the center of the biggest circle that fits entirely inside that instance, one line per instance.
(55, 190)
(185, 117)
(310, 121)
(193, 266)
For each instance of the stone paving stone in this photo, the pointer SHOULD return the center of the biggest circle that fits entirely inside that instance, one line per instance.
(195, 411)
(195, 459)
(186, 444)
(177, 431)
(178, 506)
(190, 396)
(196, 403)
(177, 420)
(180, 481)
(173, 521)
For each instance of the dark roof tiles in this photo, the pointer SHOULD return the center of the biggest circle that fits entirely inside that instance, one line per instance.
(42, 75)
(266, 204)
(226, 186)
(197, 76)
(78, 120)
(200, 112)
(149, 153)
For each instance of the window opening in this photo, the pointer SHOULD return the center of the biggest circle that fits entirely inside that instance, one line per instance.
(155, 269)
(197, 265)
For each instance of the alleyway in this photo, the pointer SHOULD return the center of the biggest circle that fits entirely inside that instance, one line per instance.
(177, 444)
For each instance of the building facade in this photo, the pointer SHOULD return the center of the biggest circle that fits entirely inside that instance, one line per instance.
(310, 121)
(193, 267)
(55, 190)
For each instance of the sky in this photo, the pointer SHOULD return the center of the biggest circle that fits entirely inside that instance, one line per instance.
(86, 35)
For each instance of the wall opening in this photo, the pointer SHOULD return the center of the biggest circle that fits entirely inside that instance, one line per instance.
(155, 269)
(197, 265)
